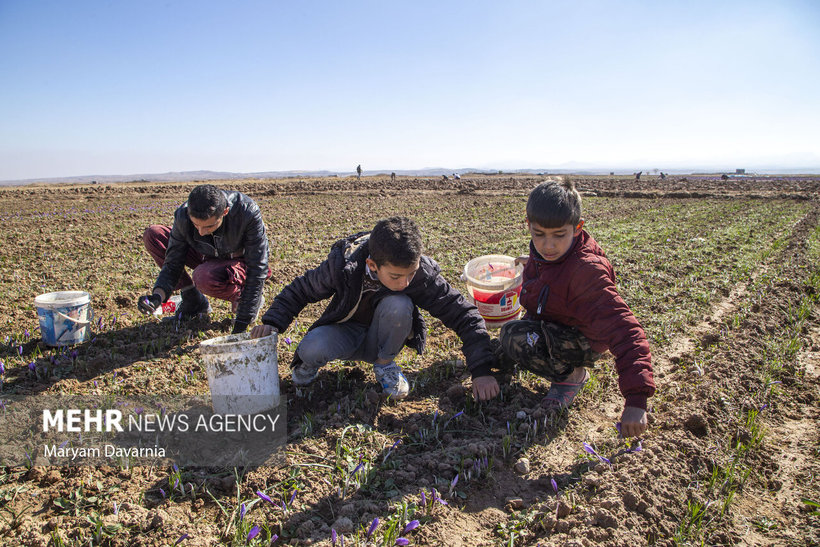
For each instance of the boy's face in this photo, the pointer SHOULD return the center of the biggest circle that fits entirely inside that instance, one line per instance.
(553, 243)
(395, 278)
(208, 226)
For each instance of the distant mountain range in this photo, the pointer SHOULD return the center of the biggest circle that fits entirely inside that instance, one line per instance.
(195, 176)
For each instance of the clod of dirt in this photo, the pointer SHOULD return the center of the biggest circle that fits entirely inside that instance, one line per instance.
(605, 519)
(456, 393)
(343, 525)
(514, 503)
(564, 509)
(697, 424)
(522, 466)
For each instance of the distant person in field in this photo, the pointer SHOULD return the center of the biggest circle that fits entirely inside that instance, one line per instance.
(376, 282)
(221, 237)
(359, 172)
(574, 311)
(638, 175)
(393, 177)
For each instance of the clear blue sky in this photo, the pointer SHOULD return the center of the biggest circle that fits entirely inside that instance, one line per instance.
(127, 87)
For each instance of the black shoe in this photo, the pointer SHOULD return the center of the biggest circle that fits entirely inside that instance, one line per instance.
(193, 304)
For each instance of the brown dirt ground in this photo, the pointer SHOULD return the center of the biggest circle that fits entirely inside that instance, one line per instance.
(638, 500)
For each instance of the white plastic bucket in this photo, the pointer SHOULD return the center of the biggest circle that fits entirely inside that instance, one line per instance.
(63, 316)
(494, 286)
(243, 373)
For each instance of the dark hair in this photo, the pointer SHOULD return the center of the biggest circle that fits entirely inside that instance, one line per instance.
(396, 240)
(554, 203)
(206, 201)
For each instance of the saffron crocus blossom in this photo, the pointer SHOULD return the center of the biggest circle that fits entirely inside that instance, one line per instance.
(333, 537)
(402, 541)
(412, 525)
(116, 509)
(591, 450)
(32, 367)
(458, 414)
(357, 468)
(182, 538)
(242, 511)
(554, 486)
(264, 497)
(161, 491)
(274, 538)
(373, 526)
(288, 340)
(423, 499)
(2, 367)
(292, 497)
(253, 533)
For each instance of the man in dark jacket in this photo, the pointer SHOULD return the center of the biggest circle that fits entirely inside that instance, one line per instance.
(377, 282)
(220, 235)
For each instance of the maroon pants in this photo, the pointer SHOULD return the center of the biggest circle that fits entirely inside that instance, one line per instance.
(214, 277)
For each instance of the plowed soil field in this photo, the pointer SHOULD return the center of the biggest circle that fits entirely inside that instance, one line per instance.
(724, 275)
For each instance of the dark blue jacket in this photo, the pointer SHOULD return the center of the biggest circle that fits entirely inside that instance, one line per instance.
(242, 235)
(340, 278)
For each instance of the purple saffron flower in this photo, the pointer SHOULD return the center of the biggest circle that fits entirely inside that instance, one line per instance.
(274, 538)
(74, 355)
(176, 469)
(357, 468)
(423, 499)
(264, 496)
(20, 351)
(62, 444)
(116, 509)
(454, 482)
(292, 497)
(288, 341)
(32, 366)
(373, 527)
(618, 427)
(591, 450)
(161, 491)
(402, 541)
(26, 333)
(253, 533)
(333, 536)
(2, 367)
(412, 525)
(242, 511)
(554, 485)
(182, 538)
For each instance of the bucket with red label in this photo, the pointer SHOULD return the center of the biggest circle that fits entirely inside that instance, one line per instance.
(494, 286)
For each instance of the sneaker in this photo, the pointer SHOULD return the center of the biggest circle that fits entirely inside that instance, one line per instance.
(561, 394)
(192, 305)
(392, 380)
(303, 374)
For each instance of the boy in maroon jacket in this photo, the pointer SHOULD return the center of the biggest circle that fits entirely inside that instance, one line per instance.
(574, 311)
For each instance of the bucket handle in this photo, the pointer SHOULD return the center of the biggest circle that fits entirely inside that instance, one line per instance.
(77, 321)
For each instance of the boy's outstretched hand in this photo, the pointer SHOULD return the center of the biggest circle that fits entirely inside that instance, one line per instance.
(633, 421)
(485, 388)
